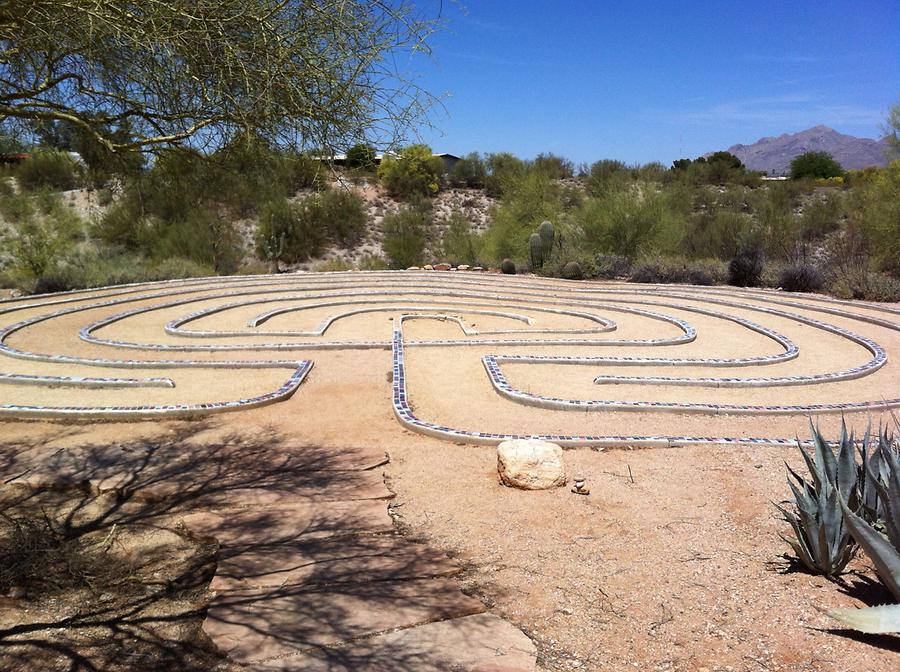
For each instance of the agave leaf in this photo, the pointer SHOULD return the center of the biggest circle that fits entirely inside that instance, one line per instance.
(890, 491)
(824, 457)
(880, 620)
(877, 547)
(800, 545)
(846, 465)
(803, 499)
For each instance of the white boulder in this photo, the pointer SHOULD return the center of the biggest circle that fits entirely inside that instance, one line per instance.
(530, 464)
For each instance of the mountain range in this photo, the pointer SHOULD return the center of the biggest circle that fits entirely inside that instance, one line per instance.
(773, 155)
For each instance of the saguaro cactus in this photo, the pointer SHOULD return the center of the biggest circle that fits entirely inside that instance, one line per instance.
(536, 249)
(545, 230)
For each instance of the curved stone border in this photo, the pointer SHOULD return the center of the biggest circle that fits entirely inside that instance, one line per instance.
(155, 411)
(264, 285)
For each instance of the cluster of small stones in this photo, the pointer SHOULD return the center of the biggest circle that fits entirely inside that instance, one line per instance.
(425, 295)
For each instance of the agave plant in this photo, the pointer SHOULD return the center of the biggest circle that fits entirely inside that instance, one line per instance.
(822, 541)
(883, 549)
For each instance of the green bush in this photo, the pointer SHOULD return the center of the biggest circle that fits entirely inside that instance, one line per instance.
(629, 223)
(875, 211)
(291, 232)
(503, 171)
(343, 215)
(675, 269)
(203, 236)
(528, 199)
(815, 165)
(555, 167)
(404, 237)
(414, 173)
(746, 268)
(470, 171)
(16, 207)
(607, 175)
(43, 236)
(50, 169)
(610, 266)
(372, 262)
(361, 156)
(801, 278)
(460, 245)
(720, 233)
(822, 216)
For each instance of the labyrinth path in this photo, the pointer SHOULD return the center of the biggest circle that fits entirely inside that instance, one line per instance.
(472, 358)
(311, 572)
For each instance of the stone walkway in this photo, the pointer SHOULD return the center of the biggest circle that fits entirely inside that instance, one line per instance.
(311, 574)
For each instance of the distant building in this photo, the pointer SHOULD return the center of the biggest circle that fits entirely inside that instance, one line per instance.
(449, 160)
(13, 159)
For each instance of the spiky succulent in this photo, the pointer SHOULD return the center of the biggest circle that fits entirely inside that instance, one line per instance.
(536, 250)
(883, 549)
(545, 231)
(821, 540)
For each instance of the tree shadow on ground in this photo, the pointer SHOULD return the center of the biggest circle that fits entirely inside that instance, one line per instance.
(306, 553)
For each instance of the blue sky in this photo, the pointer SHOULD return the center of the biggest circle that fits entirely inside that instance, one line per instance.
(644, 81)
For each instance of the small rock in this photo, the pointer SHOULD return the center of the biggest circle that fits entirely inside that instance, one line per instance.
(413, 268)
(477, 268)
(17, 592)
(463, 267)
(428, 267)
(530, 464)
(442, 267)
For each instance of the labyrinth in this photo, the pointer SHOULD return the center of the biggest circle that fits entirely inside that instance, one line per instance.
(467, 357)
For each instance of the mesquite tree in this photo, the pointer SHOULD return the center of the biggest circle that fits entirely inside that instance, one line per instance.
(316, 73)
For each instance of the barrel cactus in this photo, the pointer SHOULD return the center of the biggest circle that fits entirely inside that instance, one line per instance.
(508, 267)
(536, 250)
(572, 271)
(545, 231)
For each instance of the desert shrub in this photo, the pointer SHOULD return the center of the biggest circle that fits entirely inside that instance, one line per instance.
(330, 265)
(470, 171)
(865, 285)
(362, 156)
(343, 215)
(629, 223)
(611, 266)
(202, 236)
(606, 175)
(404, 237)
(50, 169)
(675, 269)
(16, 207)
(290, 232)
(460, 245)
(745, 269)
(555, 167)
(875, 213)
(415, 172)
(373, 262)
(40, 242)
(815, 165)
(102, 268)
(503, 171)
(301, 171)
(821, 216)
(121, 225)
(528, 200)
(801, 278)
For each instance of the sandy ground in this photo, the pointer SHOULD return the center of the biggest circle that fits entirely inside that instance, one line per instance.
(672, 563)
